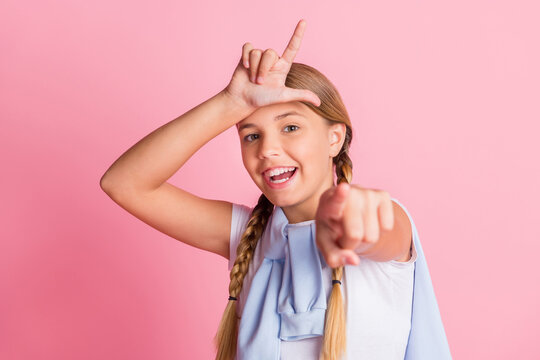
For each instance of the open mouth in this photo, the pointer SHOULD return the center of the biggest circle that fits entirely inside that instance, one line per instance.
(281, 178)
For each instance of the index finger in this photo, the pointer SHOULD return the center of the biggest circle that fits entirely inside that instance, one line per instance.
(294, 43)
(334, 201)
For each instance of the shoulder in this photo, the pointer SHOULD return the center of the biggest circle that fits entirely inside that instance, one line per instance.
(239, 219)
(405, 224)
(240, 216)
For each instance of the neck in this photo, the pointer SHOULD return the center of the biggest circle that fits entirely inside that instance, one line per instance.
(299, 213)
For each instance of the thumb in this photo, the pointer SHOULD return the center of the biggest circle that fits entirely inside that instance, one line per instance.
(291, 94)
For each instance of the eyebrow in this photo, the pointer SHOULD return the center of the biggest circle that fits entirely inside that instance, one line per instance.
(279, 117)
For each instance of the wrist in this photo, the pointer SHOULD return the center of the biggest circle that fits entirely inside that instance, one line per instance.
(235, 104)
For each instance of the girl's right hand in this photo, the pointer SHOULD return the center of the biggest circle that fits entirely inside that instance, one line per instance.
(259, 78)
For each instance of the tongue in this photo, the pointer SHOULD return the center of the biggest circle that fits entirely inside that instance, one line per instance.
(283, 176)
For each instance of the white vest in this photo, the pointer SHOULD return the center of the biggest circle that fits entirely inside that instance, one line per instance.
(377, 295)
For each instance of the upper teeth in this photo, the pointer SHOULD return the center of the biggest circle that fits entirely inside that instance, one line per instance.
(278, 171)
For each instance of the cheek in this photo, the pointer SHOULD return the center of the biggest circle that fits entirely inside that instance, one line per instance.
(312, 154)
(250, 163)
(314, 148)
(245, 158)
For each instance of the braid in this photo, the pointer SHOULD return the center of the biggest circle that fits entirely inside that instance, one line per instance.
(248, 243)
(227, 335)
(343, 168)
(335, 335)
(342, 161)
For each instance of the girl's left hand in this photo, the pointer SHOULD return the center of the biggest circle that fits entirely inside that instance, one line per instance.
(347, 221)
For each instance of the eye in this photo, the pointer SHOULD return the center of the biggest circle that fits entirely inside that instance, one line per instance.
(249, 138)
(291, 126)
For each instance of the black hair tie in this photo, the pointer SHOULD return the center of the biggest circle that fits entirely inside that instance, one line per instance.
(232, 298)
(336, 282)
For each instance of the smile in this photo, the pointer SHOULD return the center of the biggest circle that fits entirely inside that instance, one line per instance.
(281, 178)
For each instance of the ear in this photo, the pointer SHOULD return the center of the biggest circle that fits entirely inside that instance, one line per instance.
(336, 137)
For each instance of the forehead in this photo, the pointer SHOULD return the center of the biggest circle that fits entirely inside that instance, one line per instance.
(271, 113)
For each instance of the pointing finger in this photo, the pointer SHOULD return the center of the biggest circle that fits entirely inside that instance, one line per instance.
(334, 255)
(337, 201)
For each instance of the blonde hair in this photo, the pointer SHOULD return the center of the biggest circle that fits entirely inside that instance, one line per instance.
(300, 76)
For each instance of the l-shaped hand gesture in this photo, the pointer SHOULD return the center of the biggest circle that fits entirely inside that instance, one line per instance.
(259, 77)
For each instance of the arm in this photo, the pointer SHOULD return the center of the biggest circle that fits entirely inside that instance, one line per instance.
(137, 180)
(348, 214)
(153, 160)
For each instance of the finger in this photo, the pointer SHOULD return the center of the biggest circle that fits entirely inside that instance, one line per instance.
(334, 204)
(290, 94)
(353, 223)
(294, 43)
(331, 228)
(254, 58)
(333, 254)
(246, 49)
(371, 218)
(386, 211)
(268, 60)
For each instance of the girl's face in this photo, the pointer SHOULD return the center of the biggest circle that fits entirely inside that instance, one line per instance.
(287, 150)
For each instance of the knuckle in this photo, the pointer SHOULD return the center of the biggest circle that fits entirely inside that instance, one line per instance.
(371, 195)
(372, 238)
(354, 235)
(360, 197)
(383, 196)
(270, 51)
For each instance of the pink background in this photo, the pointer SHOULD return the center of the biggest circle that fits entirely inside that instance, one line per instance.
(444, 98)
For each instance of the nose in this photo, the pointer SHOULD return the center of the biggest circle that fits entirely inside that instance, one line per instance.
(268, 147)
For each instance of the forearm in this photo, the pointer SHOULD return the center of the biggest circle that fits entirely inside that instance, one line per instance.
(156, 157)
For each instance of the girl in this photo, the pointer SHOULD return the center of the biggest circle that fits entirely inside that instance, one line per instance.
(320, 267)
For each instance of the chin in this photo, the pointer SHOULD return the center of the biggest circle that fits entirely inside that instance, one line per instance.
(280, 201)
